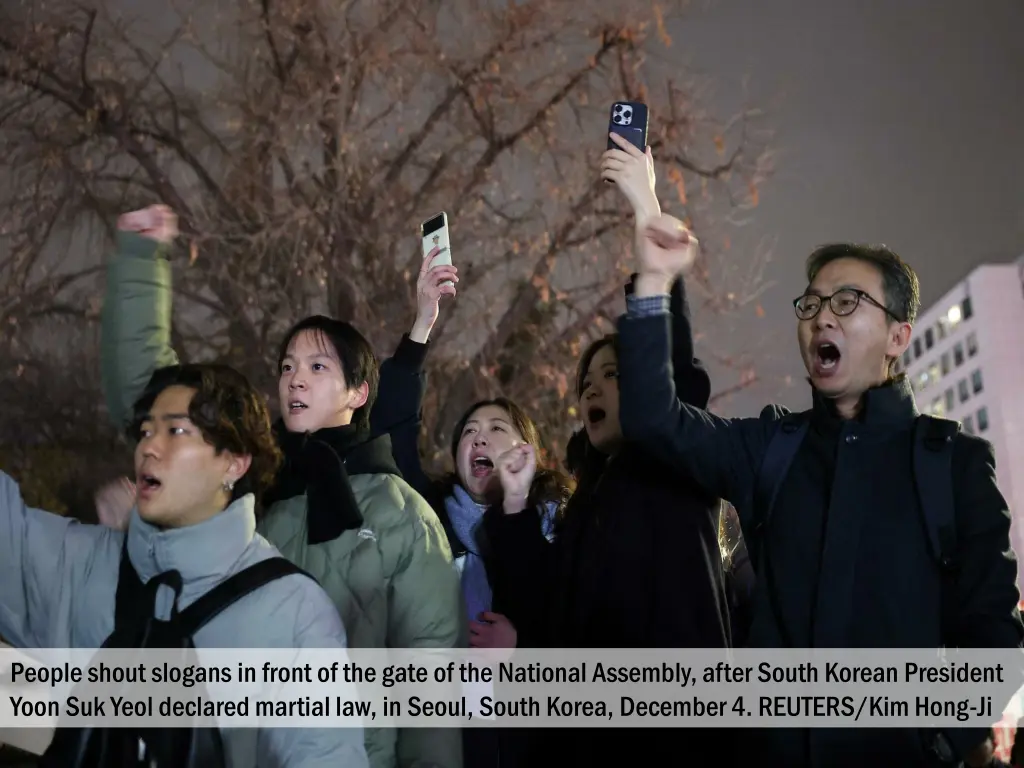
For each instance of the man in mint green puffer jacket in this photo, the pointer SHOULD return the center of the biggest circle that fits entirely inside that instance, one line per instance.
(340, 509)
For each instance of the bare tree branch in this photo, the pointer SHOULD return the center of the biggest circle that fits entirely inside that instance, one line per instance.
(306, 141)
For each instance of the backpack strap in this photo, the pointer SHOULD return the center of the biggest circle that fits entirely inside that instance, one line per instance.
(130, 590)
(233, 589)
(933, 475)
(775, 465)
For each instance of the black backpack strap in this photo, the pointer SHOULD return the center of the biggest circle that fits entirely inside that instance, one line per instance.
(933, 475)
(233, 589)
(130, 590)
(775, 466)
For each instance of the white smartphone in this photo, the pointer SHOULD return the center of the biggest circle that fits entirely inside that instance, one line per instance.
(434, 232)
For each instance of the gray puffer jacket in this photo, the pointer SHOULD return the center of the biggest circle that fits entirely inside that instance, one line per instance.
(58, 579)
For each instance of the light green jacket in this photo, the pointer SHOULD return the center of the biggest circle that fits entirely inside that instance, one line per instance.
(392, 580)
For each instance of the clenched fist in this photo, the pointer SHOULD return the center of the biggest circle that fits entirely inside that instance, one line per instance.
(666, 249)
(516, 468)
(157, 222)
(114, 503)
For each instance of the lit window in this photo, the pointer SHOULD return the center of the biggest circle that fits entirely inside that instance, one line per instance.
(976, 381)
(972, 345)
(937, 407)
(969, 425)
(958, 354)
(968, 312)
(945, 363)
(943, 326)
(982, 419)
(964, 392)
(950, 399)
(953, 316)
(933, 372)
(922, 379)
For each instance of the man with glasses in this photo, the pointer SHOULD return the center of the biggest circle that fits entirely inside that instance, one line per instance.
(844, 557)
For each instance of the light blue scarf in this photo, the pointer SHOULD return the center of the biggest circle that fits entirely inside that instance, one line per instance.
(466, 517)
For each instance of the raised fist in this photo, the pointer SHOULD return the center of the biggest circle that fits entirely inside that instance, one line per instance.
(516, 468)
(157, 222)
(666, 247)
(114, 503)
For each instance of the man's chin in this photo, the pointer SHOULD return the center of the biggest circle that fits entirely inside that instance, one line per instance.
(829, 386)
(297, 422)
(151, 513)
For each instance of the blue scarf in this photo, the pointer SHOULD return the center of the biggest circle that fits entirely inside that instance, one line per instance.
(466, 517)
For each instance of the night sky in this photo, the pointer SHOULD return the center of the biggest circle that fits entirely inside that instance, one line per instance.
(899, 122)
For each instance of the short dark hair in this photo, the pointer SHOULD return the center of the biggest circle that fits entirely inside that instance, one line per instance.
(230, 413)
(358, 363)
(899, 281)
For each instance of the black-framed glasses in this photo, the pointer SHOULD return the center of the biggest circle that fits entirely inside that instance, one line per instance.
(842, 303)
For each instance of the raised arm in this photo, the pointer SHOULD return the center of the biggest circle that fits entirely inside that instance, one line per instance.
(135, 338)
(632, 171)
(56, 584)
(722, 455)
(693, 384)
(398, 409)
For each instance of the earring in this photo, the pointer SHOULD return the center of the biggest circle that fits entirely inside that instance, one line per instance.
(228, 486)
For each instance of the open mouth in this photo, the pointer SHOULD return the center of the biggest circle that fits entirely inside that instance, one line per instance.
(481, 466)
(146, 485)
(827, 355)
(595, 415)
(295, 406)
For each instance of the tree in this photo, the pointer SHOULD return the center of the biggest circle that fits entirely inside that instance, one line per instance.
(322, 134)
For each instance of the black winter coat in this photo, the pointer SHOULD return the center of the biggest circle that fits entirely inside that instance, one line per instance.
(635, 564)
(846, 541)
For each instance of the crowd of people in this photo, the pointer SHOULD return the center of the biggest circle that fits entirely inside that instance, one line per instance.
(618, 548)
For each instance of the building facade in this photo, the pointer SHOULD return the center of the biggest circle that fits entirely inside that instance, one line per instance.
(966, 362)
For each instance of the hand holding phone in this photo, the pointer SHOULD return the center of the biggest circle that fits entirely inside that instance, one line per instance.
(437, 276)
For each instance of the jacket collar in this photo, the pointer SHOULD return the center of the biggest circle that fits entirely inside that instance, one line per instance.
(888, 405)
(200, 553)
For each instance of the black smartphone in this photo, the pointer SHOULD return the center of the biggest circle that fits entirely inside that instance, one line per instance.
(629, 120)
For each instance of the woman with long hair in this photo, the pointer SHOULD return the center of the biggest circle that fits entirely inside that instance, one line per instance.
(635, 561)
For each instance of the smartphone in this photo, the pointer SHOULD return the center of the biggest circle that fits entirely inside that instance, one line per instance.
(629, 120)
(630, 287)
(434, 232)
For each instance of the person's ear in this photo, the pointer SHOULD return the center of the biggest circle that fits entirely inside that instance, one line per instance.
(359, 395)
(236, 469)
